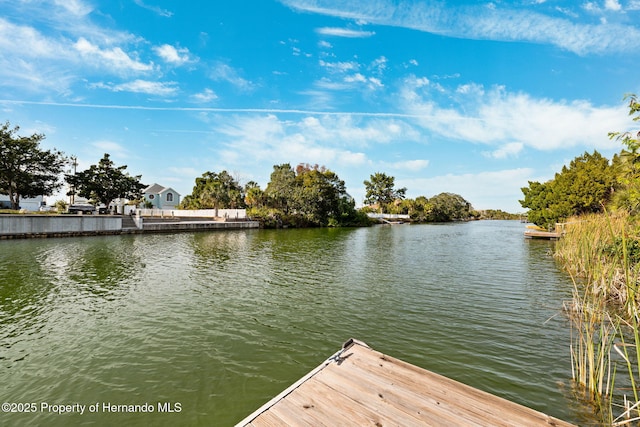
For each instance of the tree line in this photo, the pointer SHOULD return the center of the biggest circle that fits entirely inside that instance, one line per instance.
(307, 195)
(312, 195)
(590, 183)
(27, 170)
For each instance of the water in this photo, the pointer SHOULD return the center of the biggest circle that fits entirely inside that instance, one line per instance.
(212, 325)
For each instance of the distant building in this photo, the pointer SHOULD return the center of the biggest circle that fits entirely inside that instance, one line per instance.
(28, 204)
(161, 197)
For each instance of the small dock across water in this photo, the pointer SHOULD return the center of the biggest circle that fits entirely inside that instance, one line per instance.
(361, 386)
(537, 234)
(534, 232)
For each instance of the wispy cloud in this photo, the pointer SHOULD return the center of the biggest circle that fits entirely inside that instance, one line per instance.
(204, 97)
(48, 46)
(173, 55)
(344, 32)
(162, 89)
(113, 148)
(28, 42)
(495, 116)
(155, 9)
(339, 67)
(499, 22)
(75, 7)
(507, 150)
(113, 57)
(495, 188)
(224, 72)
(408, 165)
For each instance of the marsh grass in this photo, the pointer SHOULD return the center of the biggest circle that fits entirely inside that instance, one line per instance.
(602, 254)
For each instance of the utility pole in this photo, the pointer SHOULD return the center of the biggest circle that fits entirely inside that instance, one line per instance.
(72, 192)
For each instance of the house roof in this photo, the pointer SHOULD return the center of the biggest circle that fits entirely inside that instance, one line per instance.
(159, 189)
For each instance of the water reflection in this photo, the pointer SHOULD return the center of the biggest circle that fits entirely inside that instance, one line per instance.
(222, 321)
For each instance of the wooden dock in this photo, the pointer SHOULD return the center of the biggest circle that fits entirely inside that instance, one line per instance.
(363, 387)
(536, 234)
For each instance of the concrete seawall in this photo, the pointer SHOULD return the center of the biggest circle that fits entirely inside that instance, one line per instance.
(150, 227)
(23, 226)
(27, 226)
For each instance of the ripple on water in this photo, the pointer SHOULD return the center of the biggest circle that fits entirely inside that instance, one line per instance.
(223, 321)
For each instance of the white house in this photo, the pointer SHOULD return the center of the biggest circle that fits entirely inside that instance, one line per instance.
(28, 204)
(161, 197)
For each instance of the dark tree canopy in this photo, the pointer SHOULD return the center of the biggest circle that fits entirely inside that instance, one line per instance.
(280, 186)
(105, 182)
(310, 195)
(215, 191)
(584, 186)
(380, 190)
(627, 163)
(317, 193)
(253, 195)
(447, 207)
(26, 170)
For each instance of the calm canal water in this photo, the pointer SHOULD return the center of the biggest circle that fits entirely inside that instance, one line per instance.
(212, 325)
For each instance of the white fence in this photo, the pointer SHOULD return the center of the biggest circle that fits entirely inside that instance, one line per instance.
(387, 216)
(239, 214)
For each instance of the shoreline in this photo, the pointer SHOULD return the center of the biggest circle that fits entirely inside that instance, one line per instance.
(54, 226)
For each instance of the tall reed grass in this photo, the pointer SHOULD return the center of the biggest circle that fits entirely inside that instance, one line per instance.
(602, 255)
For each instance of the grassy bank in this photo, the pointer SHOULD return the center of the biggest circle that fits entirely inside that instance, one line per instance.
(602, 255)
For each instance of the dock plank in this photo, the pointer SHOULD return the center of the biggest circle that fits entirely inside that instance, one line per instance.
(361, 386)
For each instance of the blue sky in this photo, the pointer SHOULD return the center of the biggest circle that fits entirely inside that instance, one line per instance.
(469, 97)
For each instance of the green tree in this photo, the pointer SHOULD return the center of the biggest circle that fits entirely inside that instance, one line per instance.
(584, 186)
(61, 206)
(381, 192)
(447, 207)
(253, 195)
(538, 198)
(280, 187)
(105, 182)
(215, 191)
(418, 209)
(310, 195)
(26, 170)
(317, 193)
(627, 163)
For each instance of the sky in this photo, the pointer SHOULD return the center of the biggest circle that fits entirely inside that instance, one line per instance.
(468, 97)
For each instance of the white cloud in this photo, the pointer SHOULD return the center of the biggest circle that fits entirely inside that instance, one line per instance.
(143, 86)
(334, 141)
(379, 64)
(28, 42)
(75, 7)
(224, 72)
(186, 172)
(339, 67)
(344, 32)
(500, 22)
(612, 5)
(484, 190)
(409, 165)
(508, 150)
(173, 55)
(355, 78)
(205, 96)
(109, 58)
(502, 118)
(155, 9)
(112, 148)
